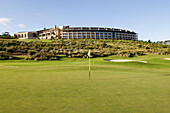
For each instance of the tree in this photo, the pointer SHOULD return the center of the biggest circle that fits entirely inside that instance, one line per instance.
(149, 41)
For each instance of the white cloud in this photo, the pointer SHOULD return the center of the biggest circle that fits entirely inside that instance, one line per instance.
(5, 21)
(21, 25)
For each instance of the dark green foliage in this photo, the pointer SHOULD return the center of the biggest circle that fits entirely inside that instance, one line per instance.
(5, 56)
(38, 50)
(42, 55)
(31, 52)
(7, 37)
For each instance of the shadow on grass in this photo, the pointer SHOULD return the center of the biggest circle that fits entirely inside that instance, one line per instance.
(166, 75)
(18, 58)
(61, 57)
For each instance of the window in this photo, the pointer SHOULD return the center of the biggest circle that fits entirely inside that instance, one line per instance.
(15, 36)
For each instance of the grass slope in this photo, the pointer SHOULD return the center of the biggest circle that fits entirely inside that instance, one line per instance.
(63, 86)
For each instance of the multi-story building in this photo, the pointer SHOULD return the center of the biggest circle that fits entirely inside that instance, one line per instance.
(96, 33)
(67, 32)
(52, 33)
(26, 35)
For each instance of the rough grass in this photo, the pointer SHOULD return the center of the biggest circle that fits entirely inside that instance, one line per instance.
(34, 40)
(63, 86)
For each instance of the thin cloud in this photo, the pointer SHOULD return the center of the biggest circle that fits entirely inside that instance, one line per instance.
(5, 21)
(21, 25)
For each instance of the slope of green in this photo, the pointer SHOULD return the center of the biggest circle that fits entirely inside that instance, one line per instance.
(63, 87)
(32, 40)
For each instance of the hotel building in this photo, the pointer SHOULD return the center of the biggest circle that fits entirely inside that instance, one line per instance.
(67, 32)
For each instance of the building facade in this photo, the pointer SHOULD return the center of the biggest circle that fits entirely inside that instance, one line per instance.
(26, 35)
(52, 33)
(96, 33)
(67, 32)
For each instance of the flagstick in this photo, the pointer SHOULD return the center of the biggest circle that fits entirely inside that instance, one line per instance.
(89, 63)
(89, 67)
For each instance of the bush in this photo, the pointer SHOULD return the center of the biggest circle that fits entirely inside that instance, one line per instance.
(42, 55)
(5, 56)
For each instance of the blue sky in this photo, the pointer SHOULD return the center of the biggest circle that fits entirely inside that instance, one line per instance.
(149, 18)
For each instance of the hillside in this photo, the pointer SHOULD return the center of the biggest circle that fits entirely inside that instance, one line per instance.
(50, 50)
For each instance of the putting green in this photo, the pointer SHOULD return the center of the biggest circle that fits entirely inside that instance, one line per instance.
(63, 87)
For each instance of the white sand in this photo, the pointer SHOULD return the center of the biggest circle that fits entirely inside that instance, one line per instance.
(121, 60)
(124, 60)
(167, 58)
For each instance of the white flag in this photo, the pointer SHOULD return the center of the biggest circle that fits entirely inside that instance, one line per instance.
(89, 53)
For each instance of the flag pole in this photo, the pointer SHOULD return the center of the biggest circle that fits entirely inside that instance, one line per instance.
(89, 63)
(89, 67)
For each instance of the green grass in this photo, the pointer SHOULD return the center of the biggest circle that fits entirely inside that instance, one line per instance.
(34, 40)
(63, 86)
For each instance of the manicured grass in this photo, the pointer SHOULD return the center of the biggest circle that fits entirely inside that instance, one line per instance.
(63, 87)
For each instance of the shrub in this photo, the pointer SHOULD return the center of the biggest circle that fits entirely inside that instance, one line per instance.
(42, 55)
(5, 56)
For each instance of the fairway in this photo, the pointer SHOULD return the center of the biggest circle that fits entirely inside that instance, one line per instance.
(62, 86)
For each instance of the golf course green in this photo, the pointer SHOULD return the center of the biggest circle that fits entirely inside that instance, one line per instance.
(63, 86)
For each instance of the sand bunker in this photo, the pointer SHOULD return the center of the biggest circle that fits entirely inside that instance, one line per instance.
(122, 60)
(167, 58)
